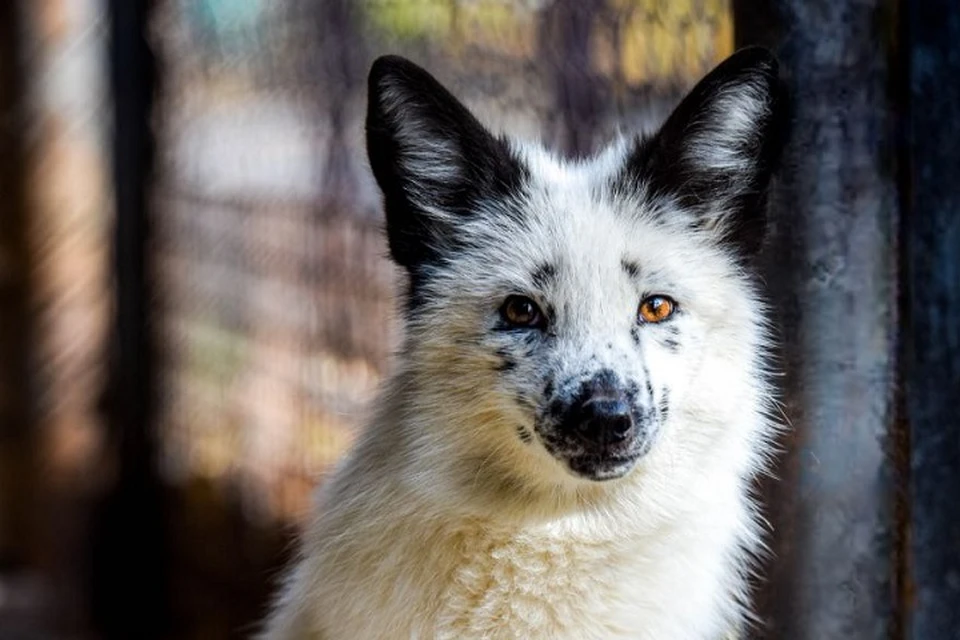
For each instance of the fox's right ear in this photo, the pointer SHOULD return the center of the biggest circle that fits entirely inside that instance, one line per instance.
(715, 155)
(432, 159)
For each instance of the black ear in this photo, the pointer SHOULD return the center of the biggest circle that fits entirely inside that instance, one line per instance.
(432, 159)
(715, 154)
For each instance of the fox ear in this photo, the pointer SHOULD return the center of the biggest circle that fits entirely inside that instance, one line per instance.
(715, 154)
(432, 159)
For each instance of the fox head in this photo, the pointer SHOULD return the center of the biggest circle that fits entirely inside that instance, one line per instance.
(573, 324)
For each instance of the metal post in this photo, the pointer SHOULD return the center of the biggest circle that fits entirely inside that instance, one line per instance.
(17, 419)
(578, 92)
(932, 291)
(128, 573)
(831, 270)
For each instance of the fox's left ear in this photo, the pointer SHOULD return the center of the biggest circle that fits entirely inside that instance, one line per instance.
(715, 154)
(433, 160)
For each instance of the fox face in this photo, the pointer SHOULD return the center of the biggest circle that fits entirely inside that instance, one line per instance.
(571, 321)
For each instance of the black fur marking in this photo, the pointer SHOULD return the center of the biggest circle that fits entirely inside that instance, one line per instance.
(530, 339)
(649, 385)
(548, 389)
(527, 333)
(554, 442)
(664, 404)
(635, 334)
(402, 98)
(661, 168)
(551, 312)
(525, 436)
(525, 402)
(543, 275)
(671, 344)
(507, 363)
(605, 379)
(631, 268)
(556, 409)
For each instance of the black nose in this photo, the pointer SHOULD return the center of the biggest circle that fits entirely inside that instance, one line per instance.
(605, 420)
(601, 415)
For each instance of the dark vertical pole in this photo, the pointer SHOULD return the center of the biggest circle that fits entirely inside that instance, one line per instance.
(340, 58)
(17, 460)
(832, 274)
(565, 38)
(932, 283)
(129, 591)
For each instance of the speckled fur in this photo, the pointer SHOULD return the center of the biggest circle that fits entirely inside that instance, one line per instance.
(450, 518)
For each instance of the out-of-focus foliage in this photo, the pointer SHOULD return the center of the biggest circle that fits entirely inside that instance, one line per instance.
(276, 297)
(636, 40)
(273, 300)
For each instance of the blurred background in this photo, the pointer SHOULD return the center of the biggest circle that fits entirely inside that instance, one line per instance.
(196, 306)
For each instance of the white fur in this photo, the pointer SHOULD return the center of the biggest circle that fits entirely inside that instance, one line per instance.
(441, 523)
(731, 122)
(424, 154)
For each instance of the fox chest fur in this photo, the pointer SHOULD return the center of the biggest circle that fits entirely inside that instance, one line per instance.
(567, 580)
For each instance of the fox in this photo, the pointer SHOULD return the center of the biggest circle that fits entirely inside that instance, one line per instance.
(567, 444)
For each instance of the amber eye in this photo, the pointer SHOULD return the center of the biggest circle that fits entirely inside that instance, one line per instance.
(520, 311)
(656, 309)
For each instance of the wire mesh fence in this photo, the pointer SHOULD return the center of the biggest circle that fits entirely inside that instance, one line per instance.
(276, 297)
(276, 300)
(54, 302)
(274, 307)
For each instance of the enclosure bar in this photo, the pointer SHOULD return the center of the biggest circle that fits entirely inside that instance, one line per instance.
(17, 414)
(831, 272)
(932, 286)
(129, 580)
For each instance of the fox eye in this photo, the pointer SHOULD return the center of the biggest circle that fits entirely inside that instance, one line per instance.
(521, 311)
(656, 309)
